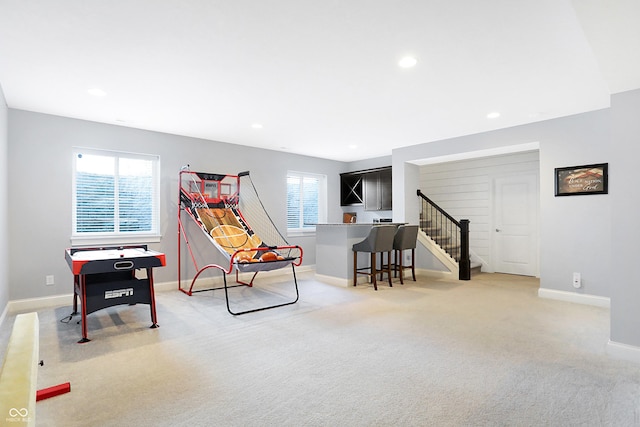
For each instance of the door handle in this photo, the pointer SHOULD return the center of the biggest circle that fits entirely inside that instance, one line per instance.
(497, 230)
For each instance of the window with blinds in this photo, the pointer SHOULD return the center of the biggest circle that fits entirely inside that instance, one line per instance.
(306, 201)
(115, 196)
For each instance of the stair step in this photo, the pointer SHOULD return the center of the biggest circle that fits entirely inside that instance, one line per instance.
(476, 268)
(432, 230)
(450, 247)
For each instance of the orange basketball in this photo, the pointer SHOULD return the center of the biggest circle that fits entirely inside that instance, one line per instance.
(268, 256)
(243, 257)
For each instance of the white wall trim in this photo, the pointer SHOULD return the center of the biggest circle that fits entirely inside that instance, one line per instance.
(623, 351)
(438, 253)
(336, 281)
(32, 304)
(488, 152)
(345, 283)
(573, 297)
(207, 282)
(475, 258)
(437, 274)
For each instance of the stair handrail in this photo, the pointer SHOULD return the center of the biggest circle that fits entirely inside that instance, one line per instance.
(462, 226)
(438, 208)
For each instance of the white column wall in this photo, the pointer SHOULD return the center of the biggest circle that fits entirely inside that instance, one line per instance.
(4, 202)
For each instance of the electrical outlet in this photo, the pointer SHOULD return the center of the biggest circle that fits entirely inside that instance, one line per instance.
(49, 280)
(577, 280)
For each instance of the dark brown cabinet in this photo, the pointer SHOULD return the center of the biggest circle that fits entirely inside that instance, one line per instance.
(377, 190)
(371, 188)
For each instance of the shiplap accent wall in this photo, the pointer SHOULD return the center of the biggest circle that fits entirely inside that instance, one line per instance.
(465, 190)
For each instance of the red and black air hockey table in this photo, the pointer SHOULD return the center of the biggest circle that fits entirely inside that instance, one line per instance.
(106, 276)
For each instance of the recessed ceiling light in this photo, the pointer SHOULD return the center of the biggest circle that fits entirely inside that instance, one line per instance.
(407, 62)
(256, 126)
(97, 92)
(493, 115)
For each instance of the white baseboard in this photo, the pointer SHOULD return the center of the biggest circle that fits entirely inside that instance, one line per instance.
(33, 304)
(217, 281)
(623, 351)
(345, 283)
(436, 274)
(337, 281)
(574, 297)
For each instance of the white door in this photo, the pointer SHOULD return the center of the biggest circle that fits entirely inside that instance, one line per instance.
(516, 225)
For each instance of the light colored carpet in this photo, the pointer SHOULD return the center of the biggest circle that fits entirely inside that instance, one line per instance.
(487, 352)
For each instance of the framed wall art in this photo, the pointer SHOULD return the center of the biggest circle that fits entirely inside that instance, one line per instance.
(581, 180)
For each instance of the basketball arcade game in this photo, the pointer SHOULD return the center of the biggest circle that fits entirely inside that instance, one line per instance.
(223, 213)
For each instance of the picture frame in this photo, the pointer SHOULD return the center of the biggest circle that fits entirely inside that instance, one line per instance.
(582, 180)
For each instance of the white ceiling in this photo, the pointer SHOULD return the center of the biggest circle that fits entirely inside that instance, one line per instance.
(319, 75)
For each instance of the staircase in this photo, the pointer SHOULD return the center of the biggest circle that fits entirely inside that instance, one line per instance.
(449, 234)
(442, 239)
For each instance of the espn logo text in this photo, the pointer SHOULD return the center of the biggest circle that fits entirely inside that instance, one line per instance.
(118, 293)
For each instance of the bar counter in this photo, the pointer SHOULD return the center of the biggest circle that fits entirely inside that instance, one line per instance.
(334, 254)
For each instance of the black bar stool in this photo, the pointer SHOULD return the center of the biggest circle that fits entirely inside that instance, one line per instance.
(406, 238)
(379, 240)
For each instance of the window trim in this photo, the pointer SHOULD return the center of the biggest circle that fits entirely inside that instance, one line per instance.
(322, 203)
(106, 238)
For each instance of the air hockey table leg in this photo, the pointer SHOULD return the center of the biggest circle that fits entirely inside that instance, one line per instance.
(83, 308)
(152, 302)
(76, 286)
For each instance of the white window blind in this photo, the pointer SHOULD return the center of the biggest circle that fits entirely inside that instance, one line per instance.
(306, 201)
(115, 196)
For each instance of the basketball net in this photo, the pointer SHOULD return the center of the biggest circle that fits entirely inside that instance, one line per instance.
(253, 212)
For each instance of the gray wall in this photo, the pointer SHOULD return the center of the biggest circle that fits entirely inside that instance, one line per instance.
(4, 200)
(624, 277)
(575, 232)
(40, 163)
